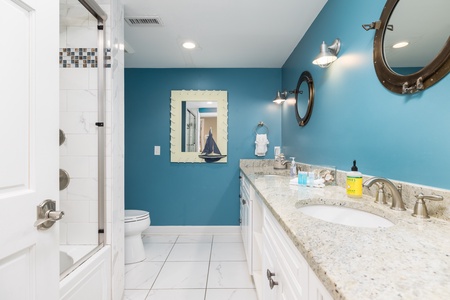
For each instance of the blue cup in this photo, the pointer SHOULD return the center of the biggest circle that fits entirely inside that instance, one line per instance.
(302, 178)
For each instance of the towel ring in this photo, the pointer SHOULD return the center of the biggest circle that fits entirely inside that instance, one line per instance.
(261, 128)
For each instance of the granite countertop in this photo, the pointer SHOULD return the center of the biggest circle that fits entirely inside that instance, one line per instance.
(410, 260)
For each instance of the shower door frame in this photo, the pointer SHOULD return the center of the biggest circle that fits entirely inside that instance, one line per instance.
(101, 17)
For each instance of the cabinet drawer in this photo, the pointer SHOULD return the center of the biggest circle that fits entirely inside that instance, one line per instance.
(245, 184)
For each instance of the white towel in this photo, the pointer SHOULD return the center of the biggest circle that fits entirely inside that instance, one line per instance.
(261, 143)
(318, 183)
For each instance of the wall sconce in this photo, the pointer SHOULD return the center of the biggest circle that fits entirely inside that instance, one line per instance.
(328, 54)
(280, 98)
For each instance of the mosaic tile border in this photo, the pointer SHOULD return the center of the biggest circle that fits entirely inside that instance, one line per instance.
(82, 57)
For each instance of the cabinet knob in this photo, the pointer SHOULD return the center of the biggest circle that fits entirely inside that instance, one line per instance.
(269, 274)
(272, 283)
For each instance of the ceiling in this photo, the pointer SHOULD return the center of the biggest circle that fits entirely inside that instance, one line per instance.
(229, 33)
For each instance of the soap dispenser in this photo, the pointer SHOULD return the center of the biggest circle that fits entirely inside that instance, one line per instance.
(293, 171)
(354, 182)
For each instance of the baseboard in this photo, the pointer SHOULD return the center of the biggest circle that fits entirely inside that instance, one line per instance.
(194, 230)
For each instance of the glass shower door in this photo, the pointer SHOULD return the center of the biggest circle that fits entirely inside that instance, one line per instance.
(82, 98)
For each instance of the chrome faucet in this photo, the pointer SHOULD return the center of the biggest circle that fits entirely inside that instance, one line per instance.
(396, 191)
(280, 162)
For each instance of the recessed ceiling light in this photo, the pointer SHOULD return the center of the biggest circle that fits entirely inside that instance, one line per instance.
(189, 45)
(400, 45)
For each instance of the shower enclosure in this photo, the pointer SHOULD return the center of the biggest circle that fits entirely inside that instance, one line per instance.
(83, 59)
(191, 131)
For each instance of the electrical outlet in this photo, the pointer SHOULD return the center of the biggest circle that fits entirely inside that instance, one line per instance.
(157, 150)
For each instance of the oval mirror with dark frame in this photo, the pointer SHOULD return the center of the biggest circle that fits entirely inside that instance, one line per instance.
(423, 26)
(304, 98)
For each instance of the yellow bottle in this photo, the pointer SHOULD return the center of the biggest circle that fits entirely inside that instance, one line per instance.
(354, 182)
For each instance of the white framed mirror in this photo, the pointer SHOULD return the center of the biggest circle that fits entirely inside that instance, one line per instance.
(193, 115)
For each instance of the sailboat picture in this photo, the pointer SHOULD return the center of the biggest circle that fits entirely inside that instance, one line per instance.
(211, 152)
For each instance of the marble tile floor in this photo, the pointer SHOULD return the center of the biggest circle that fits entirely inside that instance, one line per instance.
(190, 267)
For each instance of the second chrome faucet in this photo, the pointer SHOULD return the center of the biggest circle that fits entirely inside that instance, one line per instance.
(396, 191)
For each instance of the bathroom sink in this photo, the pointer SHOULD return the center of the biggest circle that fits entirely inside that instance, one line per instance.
(345, 216)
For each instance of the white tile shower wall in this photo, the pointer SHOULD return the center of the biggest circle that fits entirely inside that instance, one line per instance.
(81, 37)
(76, 79)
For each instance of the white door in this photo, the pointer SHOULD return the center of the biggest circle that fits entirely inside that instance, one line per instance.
(29, 258)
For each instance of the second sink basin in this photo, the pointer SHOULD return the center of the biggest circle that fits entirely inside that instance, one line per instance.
(345, 216)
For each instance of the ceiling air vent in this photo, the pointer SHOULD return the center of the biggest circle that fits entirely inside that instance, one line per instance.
(144, 21)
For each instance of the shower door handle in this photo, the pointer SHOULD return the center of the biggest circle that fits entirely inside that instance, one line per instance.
(47, 215)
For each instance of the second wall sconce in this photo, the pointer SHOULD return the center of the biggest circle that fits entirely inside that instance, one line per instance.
(328, 54)
(281, 97)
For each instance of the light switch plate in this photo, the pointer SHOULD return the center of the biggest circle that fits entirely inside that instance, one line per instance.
(157, 150)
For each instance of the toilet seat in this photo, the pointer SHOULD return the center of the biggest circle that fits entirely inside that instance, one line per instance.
(132, 215)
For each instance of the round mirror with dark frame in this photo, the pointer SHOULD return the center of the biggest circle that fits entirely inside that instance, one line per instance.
(304, 98)
(423, 26)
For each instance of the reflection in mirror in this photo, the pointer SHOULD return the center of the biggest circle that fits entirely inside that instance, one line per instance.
(424, 25)
(193, 115)
(304, 98)
(423, 28)
(197, 119)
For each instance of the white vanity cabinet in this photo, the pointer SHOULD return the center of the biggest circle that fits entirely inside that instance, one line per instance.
(258, 249)
(285, 271)
(279, 271)
(246, 192)
(251, 211)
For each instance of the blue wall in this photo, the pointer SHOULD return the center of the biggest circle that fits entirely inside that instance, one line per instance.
(193, 194)
(355, 117)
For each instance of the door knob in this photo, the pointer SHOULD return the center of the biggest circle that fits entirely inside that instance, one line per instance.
(55, 215)
(47, 215)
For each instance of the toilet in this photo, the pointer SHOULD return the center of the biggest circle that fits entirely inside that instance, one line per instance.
(136, 221)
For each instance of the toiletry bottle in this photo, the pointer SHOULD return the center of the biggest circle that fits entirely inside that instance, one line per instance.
(354, 182)
(293, 171)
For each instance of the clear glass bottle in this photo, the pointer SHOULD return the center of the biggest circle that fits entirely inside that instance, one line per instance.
(293, 170)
